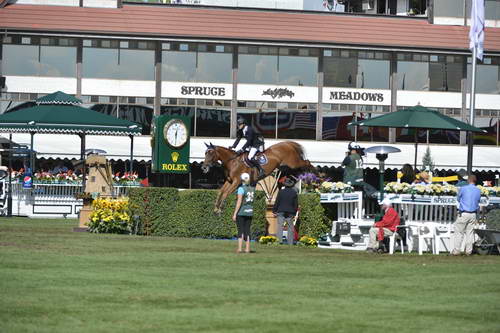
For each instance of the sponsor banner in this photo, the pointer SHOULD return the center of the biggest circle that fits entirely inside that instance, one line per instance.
(272, 93)
(356, 96)
(196, 90)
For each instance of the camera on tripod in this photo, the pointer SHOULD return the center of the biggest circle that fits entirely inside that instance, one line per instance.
(354, 146)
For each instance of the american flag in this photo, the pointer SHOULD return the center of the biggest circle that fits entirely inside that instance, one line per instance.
(305, 120)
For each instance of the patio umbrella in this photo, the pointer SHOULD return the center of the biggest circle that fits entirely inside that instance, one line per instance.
(417, 117)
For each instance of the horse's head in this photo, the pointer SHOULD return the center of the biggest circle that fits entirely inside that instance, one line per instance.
(211, 157)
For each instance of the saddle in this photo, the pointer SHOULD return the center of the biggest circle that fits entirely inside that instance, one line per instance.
(261, 158)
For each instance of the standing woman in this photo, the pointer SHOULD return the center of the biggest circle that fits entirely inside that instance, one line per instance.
(243, 212)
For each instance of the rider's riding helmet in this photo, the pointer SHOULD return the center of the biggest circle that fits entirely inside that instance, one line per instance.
(241, 121)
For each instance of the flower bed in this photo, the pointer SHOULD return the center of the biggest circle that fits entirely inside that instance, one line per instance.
(435, 189)
(110, 216)
(70, 178)
(314, 184)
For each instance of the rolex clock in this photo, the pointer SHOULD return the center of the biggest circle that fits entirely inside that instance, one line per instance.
(175, 133)
(171, 154)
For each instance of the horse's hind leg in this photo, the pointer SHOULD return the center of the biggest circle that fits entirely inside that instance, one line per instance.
(228, 190)
(218, 203)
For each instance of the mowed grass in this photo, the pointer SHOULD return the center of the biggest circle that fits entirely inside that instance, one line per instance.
(55, 280)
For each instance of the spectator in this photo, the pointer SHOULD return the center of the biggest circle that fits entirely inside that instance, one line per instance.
(243, 212)
(383, 228)
(59, 168)
(468, 201)
(423, 179)
(285, 208)
(408, 174)
(462, 178)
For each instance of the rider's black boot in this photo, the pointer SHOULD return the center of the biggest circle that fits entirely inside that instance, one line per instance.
(259, 167)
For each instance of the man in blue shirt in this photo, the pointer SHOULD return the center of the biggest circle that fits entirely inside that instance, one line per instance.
(468, 201)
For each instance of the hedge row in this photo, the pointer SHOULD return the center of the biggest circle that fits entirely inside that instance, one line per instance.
(189, 213)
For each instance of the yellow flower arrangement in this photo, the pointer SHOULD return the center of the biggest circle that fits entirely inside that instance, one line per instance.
(110, 216)
(268, 240)
(308, 241)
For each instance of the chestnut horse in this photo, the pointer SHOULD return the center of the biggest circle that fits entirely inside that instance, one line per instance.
(287, 153)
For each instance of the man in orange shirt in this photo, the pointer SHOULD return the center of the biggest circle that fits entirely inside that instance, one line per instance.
(383, 228)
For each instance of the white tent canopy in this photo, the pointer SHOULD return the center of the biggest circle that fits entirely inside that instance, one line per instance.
(324, 153)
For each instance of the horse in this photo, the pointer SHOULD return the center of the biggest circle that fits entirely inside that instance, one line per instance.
(288, 153)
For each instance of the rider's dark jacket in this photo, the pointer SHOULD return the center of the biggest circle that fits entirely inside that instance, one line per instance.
(253, 138)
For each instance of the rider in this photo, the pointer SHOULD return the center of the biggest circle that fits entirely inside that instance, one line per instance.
(254, 143)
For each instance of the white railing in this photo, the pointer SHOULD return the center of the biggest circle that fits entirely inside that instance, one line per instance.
(52, 200)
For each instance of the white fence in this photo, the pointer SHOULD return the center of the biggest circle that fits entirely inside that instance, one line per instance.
(50, 200)
(428, 219)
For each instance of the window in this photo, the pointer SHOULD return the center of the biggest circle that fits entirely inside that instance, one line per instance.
(30, 56)
(264, 121)
(120, 60)
(449, 8)
(140, 111)
(197, 62)
(255, 68)
(296, 124)
(487, 76)
(424, 72)
(352, 69)
(335, 126)
(298, 70)
(270, 65)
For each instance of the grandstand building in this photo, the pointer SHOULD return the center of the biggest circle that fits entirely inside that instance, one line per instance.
(298, 70)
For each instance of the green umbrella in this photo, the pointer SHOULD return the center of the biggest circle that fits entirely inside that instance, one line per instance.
(58, 98)
(417, 117)
(58, 113)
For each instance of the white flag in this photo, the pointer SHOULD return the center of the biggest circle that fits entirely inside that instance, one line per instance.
(476, 33)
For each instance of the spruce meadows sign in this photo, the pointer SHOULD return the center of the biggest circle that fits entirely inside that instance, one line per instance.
(197, 90)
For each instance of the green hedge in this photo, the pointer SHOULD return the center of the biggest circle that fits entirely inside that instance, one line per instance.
(189, 213)
(313, 218)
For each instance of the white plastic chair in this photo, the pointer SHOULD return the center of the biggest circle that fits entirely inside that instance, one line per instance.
(426, 233)
(396, 237)
(444, 231)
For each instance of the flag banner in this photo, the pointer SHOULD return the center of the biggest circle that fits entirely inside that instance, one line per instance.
(476, 33)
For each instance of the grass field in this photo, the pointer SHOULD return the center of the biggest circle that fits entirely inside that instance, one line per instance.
(55, 280)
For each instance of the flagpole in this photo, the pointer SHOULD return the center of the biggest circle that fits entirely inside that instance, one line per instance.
(470, 136)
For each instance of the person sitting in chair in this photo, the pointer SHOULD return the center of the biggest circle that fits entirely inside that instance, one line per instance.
(254, 143)
(383, 228)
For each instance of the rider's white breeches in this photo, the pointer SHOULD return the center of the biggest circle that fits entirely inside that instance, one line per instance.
(253, 151)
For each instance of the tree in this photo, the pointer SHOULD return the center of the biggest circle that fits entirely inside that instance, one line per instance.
(427, 161)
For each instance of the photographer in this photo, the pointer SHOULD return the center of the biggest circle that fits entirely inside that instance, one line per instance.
(353, 169)
(353, 164)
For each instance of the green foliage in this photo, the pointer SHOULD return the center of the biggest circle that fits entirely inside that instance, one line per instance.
(313, 220)
(427, 161)
(189, 213)
(151, 205)
(493, 219)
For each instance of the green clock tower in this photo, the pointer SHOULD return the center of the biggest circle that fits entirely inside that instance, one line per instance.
(170, 142)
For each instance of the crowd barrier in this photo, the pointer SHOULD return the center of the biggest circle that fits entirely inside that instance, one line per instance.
(48, 200)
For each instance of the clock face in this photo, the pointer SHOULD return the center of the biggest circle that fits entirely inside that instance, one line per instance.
(176, 133)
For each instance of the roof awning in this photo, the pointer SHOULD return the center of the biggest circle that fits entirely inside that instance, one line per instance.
(321, 153)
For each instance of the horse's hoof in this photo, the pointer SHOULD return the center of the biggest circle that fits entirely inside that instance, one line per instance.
(217, 211)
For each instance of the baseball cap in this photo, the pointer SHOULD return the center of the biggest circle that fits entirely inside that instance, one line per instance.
(245, 177)
(386, 202)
